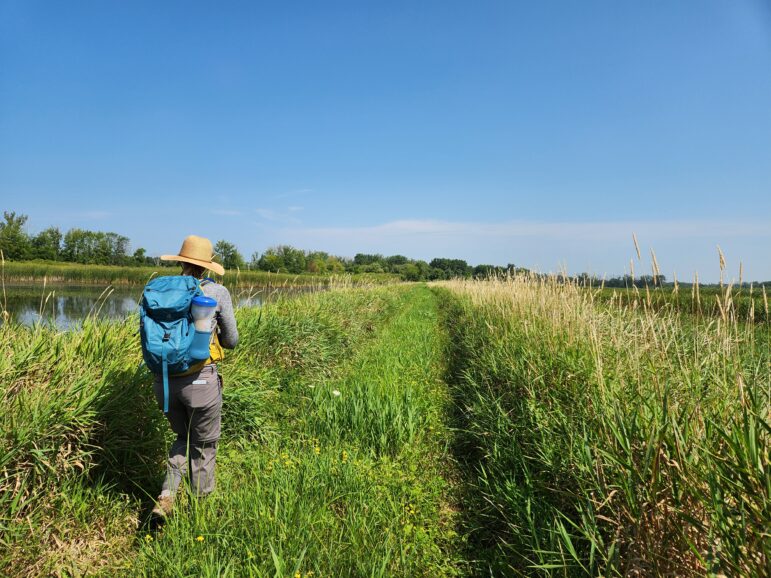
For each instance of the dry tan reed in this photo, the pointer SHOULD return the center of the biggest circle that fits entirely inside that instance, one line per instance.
(679, 378)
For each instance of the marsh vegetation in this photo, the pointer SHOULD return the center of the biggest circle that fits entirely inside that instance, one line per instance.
(518, 426)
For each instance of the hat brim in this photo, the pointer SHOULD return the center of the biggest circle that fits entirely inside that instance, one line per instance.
(210, 265)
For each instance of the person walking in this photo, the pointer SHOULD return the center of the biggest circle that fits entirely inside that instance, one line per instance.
(195, 397)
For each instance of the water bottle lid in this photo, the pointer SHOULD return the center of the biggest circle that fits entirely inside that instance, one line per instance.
(204, 301)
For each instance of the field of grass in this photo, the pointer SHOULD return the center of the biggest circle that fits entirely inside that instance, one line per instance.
(601, 440)
(27, 271)
(509, 427)
(309, 481)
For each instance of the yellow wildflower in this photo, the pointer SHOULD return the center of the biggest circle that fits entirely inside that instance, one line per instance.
(317, 450)
(148, 538)
(200, 539)
(345, 456)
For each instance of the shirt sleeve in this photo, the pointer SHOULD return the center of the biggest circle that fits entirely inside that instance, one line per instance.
(226, 322)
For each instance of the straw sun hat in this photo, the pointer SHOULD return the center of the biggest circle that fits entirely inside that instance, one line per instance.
(198, 251)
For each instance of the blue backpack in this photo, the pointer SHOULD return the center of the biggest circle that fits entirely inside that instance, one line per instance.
(166, 326)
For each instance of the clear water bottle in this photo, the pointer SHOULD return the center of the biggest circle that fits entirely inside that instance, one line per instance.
(202, 310)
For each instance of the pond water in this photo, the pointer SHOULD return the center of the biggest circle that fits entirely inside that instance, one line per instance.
(65, 306)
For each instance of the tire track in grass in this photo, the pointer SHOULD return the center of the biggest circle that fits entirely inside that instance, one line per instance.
(359, 488)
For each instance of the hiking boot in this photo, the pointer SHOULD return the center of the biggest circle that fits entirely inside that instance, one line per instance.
(163, 507)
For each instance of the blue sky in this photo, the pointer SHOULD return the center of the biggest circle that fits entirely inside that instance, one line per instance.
(537, 133)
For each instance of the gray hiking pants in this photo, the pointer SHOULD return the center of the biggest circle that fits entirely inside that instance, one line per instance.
(195, 407)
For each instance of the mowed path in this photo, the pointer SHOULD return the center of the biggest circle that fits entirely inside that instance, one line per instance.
(354, 483)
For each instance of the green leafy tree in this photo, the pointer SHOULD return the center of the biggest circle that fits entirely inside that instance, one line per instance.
(229, 255)
(283, 259)
(14, 241)
(484, 271)
(424, 268)
(335, 265)
(75, 248)
(376, 267)
(452, 267)
(140, 256)
(363, 259)
(316, 262)
(47, 244)
(95, 247)
(109, 248)
(294, 259)
(271, 260)
(393, 263)
(436, 274)
(316, 265)
(410, 272)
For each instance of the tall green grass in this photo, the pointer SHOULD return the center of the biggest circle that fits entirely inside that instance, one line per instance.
(577, 437)
(607, 441)
(350, 484)
(83, 442)
(74, 407)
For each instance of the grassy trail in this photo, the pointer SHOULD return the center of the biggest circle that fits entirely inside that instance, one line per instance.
(580, 440)
(352, 484)
(82, 442)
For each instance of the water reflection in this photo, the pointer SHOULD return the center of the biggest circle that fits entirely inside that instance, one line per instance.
(66, 306)
(65, 311)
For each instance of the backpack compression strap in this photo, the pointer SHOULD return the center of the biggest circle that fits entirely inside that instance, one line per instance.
(165, 374)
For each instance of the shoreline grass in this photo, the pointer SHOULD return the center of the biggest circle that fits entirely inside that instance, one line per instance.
(55, 272)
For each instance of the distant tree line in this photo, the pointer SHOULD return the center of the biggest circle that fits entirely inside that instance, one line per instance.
(287, 259)
(419, 270)
(74, 246)
(106, 248)
(641, 281)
